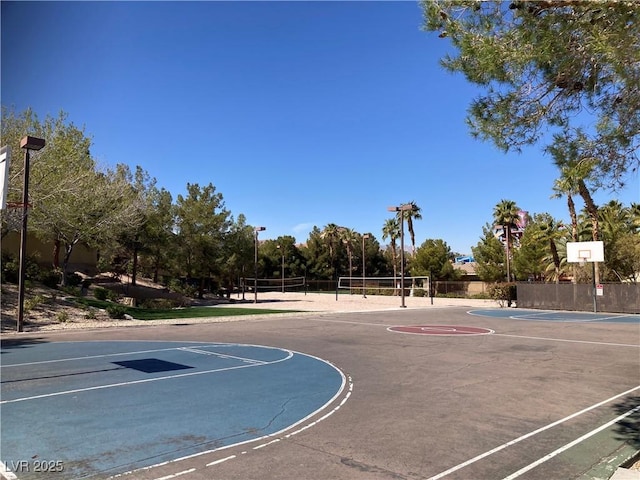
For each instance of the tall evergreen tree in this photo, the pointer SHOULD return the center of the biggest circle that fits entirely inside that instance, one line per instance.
(490, 257)
(565, 66)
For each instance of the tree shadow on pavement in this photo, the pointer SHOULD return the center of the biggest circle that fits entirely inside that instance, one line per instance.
(628, 429)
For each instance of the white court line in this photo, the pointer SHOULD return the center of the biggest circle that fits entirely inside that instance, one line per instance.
(174, 475)
(272, 435)
(95, 356)
(528, 435)
(552, 313)
(569, 341)
(146, 380)
(559, 316)
(221, 355)
(600, 319)
(525, 315)
(570, 444)
(222, 460)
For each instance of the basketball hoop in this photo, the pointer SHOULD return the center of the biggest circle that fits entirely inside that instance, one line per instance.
(585, 252)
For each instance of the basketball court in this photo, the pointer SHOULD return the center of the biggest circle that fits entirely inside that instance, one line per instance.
(415, 393)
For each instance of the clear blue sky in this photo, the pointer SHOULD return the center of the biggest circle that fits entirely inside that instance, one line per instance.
(300, 113)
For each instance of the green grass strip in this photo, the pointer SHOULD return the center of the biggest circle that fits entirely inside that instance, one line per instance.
(177, 313)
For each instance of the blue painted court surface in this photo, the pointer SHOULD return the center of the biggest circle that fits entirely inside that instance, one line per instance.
(71, 402)
(552, 316)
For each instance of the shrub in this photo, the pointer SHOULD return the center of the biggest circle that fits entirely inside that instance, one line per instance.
(183, 288)
(159, 303)
(481, 296)
(50, 278)
(116, 311)
(100, 293)
(62, 316)
(11, 268)
(503, 293)
(419, 292)
(73, 279)
(91, 314)
(112, 295)
(33, 302)
(71, 291)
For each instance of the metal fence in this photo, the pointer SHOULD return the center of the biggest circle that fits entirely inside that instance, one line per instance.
(440, 288)
(615, 297)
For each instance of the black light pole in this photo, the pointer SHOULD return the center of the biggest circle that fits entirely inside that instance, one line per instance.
(27, 144)
(364, 266)
(401, 209)
(430, 286)
(255, 263)
(243, 281)
(402, 258)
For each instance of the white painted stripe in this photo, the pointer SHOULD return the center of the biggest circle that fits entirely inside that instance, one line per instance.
(146, 380)
(280, 432)
(6, 473)
(549, 314)
(530, 434)
(460, 334)
(230, 457)
(558, 317)
(220, 355)
(570, 444)
(169, 477)
(567, 340)
(106, 355)
(612, 317)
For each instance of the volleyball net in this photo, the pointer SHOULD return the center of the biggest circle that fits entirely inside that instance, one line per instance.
(384, 285)
(287, 284)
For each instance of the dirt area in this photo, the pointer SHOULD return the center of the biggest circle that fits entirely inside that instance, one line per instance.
(49, 309)
(44, 308)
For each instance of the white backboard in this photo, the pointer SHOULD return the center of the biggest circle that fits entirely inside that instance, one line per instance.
(5, 161)
(578, 252)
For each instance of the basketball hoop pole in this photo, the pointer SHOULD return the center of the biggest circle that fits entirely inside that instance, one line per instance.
(583, 252)
(595, 302)
(27, 144)
(593, 289)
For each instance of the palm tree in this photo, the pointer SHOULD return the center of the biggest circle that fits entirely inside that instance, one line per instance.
(634, 217)
(331, 236)
(391, 230)
(614, 220)
(348, 237)
(550, 232)
(506, 214)
(566, 186)
(410, 216)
